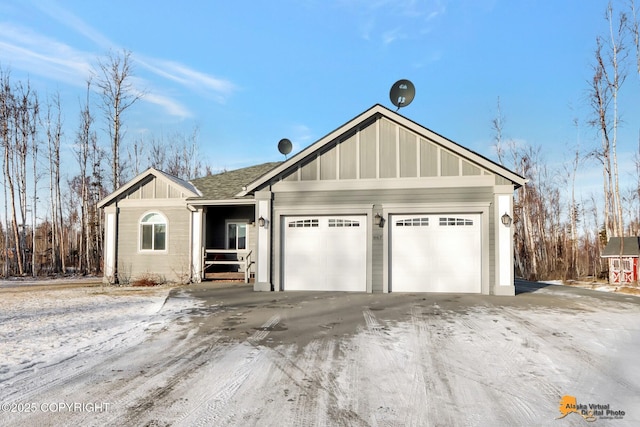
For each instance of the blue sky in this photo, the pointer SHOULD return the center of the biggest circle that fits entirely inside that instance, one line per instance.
(248, 73)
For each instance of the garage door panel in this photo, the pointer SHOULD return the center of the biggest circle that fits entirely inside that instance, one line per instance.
(300, 260)
(436, 253)
(324, 253)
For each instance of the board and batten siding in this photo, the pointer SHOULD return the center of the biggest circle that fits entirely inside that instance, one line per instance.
(153, 188)
(382, 149)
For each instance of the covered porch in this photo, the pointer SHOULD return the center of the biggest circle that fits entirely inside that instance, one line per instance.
(229, 242)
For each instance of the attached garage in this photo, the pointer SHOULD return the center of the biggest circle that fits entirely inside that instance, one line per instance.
(436, 253)
(324, 253)
(380, 204)
(383, 204)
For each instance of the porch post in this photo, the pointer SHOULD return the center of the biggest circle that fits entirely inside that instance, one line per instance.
(263, 247)
(196, 244)
(110, 242)
(504, 242)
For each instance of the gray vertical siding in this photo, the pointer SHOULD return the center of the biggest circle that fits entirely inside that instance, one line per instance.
(428, 159)
(309, 170)
(450, 164)
(408, 148)
(382, 149)
(147, 190)
(328, 161)
(469, 169)
(388, 149)
(368, 153)
(348, 158)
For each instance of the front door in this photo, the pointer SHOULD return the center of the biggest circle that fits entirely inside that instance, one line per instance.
(237, 236)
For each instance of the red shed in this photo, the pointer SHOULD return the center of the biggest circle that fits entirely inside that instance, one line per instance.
(622, 254)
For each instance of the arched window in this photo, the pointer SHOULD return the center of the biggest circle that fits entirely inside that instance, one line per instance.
(153, 232)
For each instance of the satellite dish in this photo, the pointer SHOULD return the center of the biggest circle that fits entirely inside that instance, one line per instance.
(402, 93)
(285, 146)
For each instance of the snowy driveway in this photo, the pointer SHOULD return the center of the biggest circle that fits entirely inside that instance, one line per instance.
(212, 355)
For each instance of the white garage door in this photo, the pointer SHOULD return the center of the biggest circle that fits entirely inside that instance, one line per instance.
(436, 253)
(325, 253)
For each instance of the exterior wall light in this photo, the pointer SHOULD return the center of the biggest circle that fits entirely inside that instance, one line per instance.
(262, 222)
(506, 220)
(378, 220)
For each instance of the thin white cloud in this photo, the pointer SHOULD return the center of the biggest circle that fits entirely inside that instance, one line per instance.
(301, 135)
(25, 49)
(39, 55)
(381, 20)
(188, 77)
(171, 106)
(70, 20)
(391, 36)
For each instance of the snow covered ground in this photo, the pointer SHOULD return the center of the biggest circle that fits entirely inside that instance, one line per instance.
(89, 355)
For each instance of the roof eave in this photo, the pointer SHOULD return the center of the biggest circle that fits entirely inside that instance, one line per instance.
(378, 109)
(220, 202)
(151, 171)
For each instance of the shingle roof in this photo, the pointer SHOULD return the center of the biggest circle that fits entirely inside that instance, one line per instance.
(225, 185)
(630, 247)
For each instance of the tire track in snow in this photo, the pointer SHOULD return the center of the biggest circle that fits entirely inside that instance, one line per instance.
(264, 330)
(480, 330)
(390, 372)
(592, 362)
(306, 405)
(216, 407)
(81, 364)
(434, 384)
(141, 396)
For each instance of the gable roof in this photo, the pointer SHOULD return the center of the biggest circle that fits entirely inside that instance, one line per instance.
(225, 185)
(171, 180)
(630, 247)
(381, 111)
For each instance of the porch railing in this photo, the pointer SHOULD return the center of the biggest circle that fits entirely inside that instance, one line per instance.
(221, 257)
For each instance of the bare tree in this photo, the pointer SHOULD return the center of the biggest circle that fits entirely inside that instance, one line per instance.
(571, 170)
(609, 75)
(157, 155)
(53, 127)
(634, 29)
(178, 155)
(32, 125)
(135, 156)
(574, 215)
(7, 104)
(497, 124)
(97, 191)
(82, 147)
(114, 75)
(184, 160)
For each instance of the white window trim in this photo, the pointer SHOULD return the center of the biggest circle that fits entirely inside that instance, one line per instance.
(226, 234)
(166, 234)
